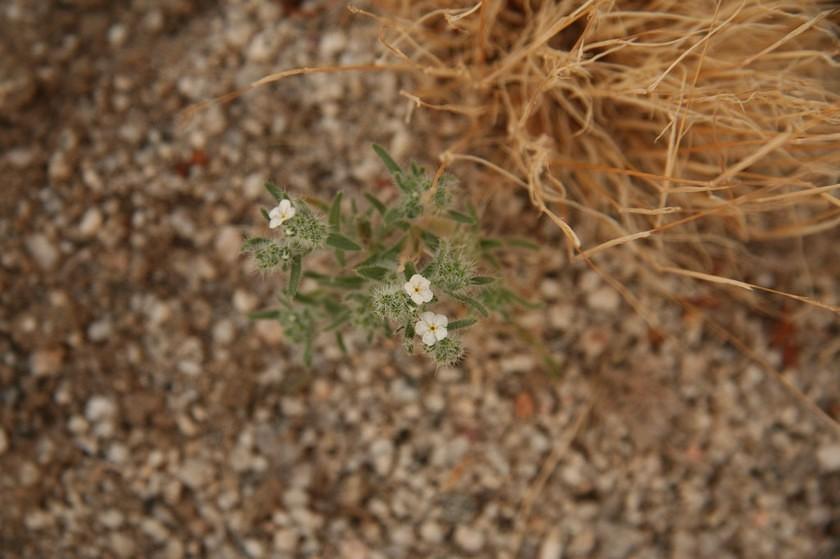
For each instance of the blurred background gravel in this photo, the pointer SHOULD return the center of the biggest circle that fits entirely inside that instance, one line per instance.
(142, 414)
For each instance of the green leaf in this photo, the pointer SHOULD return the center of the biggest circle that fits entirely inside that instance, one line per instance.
(339, 340)
(380, 207)
(373, 272)
(275, 191)
(409, 270)
(409, 330)
(481, 280)
(347, 282)
(470, 302)
(392, 166)
(252, 242)
(339, 257)
(523, 243)
(336, 240)
(264, 213)
(458, 324)
(335, 212)
(264, 315)
(394, 252)
(460, 217)
(294, 275)
(307, 351)
(489, 244)
(430, 240)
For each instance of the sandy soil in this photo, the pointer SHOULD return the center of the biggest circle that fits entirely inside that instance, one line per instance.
(142, 414)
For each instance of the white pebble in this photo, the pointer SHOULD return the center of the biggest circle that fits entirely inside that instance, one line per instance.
(469, 539)
(99, 408)
(91, 222)
(829, 457)
(44, 252)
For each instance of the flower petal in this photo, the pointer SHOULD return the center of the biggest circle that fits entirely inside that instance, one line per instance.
(429, 338)
(425, 296)
(284, 205)
(421, 328)
(427, 317)
(441, 333)
(275, 223)
(274, 213)
(440, 320)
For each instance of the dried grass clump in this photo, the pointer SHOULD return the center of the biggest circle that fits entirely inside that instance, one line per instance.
(697, 125)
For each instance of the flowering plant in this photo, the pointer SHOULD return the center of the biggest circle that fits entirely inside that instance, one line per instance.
(397, 267)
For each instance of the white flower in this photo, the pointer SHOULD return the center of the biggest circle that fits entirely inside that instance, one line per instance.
(431, 327)
(418, 289)
(282, 213)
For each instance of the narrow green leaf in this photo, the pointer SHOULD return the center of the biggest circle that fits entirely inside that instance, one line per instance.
(373, 272)
(458, 324)
(489, 244)
(380, 207)
(275, 191)
(470, 302)
(339, 320)
(294, 275)
(347, 282)
(336, 240)
(307, 351)
(305, 299)
(394, 252)
(523, 243)
(335, 212)
(339, 340)
(481, 280)
(339, 257)
(264, 315)
(392, 166)
(430, 240)
(409, 270)
(264, 213)
(460, 217)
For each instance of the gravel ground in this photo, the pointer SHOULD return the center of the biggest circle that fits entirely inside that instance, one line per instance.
(142, 415)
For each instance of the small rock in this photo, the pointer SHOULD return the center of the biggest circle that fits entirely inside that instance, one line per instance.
(122, 544)
(99, 408)
(60, 167)
(552, 546)
(195, 473)
(4, 442)
(432, 532)
(223, 332)
(254, 549)
(285, 540)
(100, 330)
(46, 362)
(244, 301)
(228, 243)
(91, 222)
(382, 453)
(111, 518)
(828, 457)
(603, 299)
(469, 539)
(43, 251)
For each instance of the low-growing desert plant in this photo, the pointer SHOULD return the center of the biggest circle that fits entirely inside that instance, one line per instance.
(402, 268)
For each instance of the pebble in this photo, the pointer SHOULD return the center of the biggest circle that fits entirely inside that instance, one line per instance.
(603, 299)
(552, 545)
(469, 539)
(122, 544)
(100, 330)
(228, 243)
(90, 223)
(46, 362)
(828, 457)
(42, 250)
(286, 540)
(195, 473)
(4, 442)
(432, 532)
(99, 408)
(382, 453)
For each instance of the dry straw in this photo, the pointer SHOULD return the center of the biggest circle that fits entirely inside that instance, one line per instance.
(684, 129)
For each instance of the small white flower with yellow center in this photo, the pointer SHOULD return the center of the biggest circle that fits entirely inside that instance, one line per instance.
(418, 288)
(281, 214)
(431, 327)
